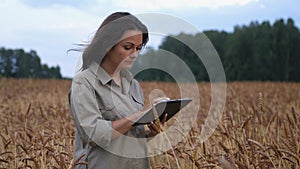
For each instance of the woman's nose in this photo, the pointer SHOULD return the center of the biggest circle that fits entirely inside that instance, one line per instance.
(135, 53)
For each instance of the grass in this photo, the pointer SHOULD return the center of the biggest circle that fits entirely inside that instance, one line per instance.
(260, 127)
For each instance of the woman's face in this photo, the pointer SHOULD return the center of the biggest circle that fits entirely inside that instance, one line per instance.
(125, 52)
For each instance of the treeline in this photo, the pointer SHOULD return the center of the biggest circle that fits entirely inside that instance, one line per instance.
(259, 51)
(17, 63)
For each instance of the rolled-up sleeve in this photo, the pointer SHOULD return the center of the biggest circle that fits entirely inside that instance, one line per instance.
(88, 116)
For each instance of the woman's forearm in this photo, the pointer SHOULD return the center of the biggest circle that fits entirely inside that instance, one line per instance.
(121, 126)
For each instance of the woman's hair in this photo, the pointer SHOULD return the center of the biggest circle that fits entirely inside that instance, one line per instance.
(109, 34)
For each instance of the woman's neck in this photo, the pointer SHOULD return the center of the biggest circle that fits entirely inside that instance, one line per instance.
(114, 73)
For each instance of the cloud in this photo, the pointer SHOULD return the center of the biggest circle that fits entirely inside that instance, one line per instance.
(137, 6)
(177, 4)
(20, 16)
(65, 15)
(51, 26)
(48, 30)
(50, 3)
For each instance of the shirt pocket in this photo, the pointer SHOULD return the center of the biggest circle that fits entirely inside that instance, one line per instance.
(137, 102)
(109, 110)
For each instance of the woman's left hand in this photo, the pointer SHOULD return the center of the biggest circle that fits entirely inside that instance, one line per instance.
(154, 128)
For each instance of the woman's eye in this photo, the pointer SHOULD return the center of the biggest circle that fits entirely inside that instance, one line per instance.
(131, 47)
(127, 47)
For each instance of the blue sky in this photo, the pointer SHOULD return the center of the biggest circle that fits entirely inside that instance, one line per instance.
(51, 27)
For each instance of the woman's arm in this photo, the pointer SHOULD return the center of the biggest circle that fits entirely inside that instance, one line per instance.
(154, 129)
(121, 126)
(101, 131)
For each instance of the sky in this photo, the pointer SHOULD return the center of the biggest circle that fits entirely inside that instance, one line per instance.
(51, 27)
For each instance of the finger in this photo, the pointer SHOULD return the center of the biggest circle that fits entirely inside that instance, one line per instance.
(154, 128)
(164, 119)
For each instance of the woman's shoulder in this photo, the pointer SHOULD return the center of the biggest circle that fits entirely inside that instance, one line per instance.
(135, 85)
(134, 82)
(84, 76)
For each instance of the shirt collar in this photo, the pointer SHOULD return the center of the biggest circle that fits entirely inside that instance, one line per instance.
(101, 74)
(104, 77)
(126, 74)
(126, 80)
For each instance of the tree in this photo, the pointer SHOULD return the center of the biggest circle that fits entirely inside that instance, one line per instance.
(258, 51)
(20, 64)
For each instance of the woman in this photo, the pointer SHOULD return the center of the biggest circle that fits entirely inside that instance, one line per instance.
(105, 100)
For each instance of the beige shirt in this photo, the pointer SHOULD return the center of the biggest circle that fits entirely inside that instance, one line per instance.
(95, 101)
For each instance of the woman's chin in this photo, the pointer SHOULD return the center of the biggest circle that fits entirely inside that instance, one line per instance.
(127, 66)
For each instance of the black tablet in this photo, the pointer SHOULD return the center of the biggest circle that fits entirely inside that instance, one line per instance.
(171, 107)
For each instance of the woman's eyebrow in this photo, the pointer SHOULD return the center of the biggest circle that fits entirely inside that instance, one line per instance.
(131, 43)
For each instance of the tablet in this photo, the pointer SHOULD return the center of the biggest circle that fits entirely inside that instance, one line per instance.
(171, 107)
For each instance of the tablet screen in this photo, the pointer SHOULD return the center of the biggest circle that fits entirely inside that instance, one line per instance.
(171, 107)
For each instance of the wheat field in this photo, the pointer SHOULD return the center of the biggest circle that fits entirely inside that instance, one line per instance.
(260, 127)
